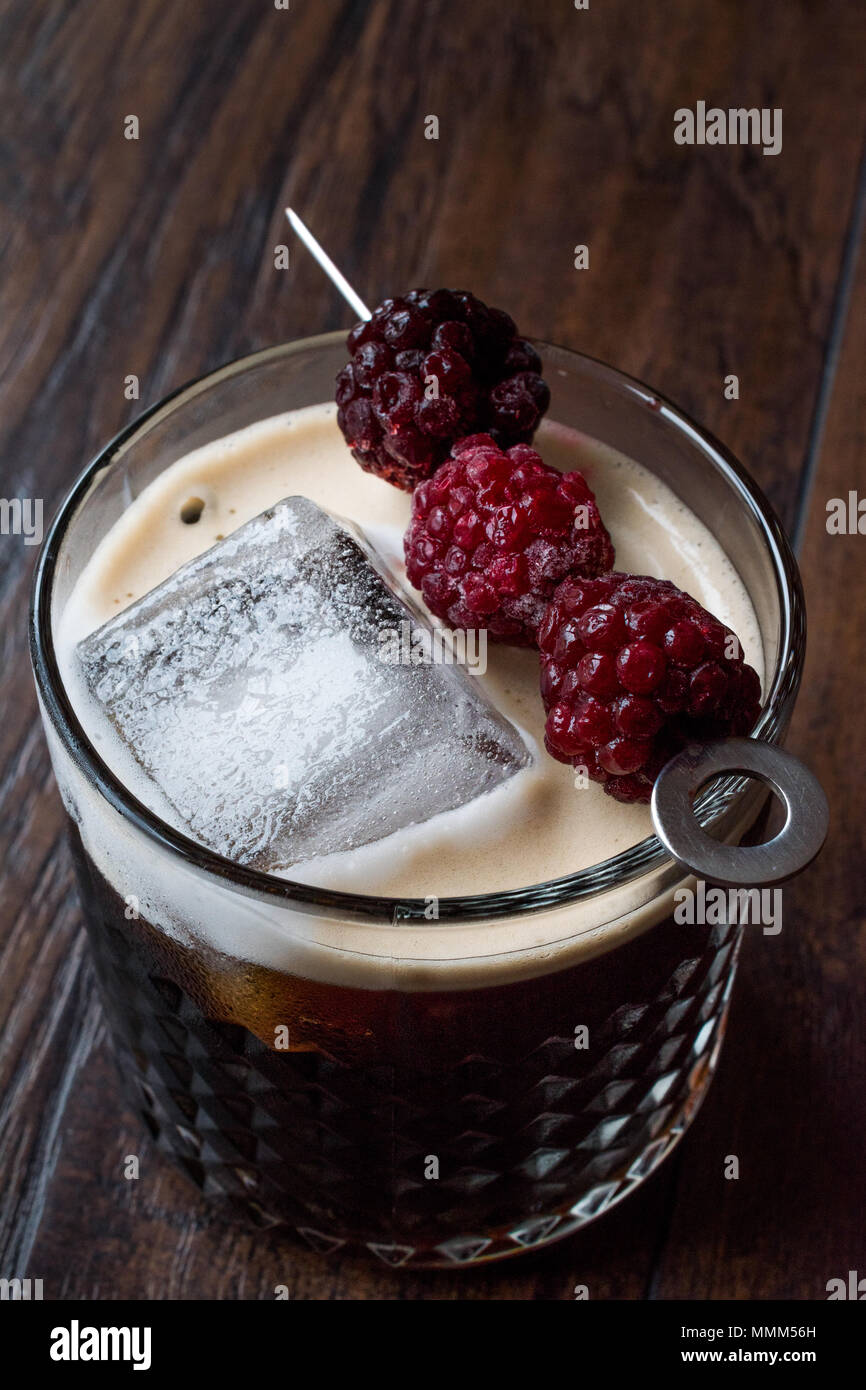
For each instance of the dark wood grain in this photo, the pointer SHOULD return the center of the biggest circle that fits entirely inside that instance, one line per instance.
(787, 1099)
(155, 257)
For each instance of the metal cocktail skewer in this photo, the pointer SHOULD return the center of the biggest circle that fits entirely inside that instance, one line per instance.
(327, 265)
(679, 782)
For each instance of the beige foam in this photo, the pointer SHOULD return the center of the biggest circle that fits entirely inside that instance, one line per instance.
(537, 828)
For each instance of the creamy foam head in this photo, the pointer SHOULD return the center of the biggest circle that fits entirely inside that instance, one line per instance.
(537, 826)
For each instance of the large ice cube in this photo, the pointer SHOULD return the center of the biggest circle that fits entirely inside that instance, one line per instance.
(249, 686)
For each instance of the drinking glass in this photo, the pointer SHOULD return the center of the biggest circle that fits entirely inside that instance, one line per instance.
(436, 1092)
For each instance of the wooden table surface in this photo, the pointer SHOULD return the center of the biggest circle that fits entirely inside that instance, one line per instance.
(155, 257)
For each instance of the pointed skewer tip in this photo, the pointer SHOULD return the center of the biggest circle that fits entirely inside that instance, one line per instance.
(324, 260)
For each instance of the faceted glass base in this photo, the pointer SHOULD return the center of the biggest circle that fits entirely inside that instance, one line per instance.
(416, 1163)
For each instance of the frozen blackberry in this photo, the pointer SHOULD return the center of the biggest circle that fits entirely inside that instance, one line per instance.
(632, 668)
(426, 370)
(493, 533)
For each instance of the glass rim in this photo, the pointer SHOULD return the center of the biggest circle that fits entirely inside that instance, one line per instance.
(643, 858)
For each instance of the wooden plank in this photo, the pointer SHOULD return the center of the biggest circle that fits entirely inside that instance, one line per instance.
(156, 257)
(787, 1100)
